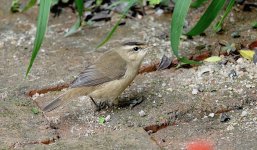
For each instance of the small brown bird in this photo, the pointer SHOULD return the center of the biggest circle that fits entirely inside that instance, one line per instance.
(107, 78)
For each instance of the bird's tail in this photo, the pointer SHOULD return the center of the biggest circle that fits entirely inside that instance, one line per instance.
(65, 98)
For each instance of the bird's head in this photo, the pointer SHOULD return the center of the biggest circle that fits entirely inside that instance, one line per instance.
(133, 52)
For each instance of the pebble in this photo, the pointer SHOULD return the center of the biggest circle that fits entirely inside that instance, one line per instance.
(235, 34)
(107, 118)
(232, 74)
(35, 96)
(240, 60)
(211, 115)
(244, 113)
(142, 113)
(224, 117)
(195, 91)
(230, 127)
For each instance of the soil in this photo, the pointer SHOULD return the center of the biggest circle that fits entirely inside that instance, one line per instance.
(214, 103)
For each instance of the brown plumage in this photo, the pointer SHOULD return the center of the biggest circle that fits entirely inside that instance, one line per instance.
(107, 78)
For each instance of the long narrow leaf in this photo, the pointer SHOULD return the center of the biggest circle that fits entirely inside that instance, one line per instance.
(177, 23)
(207, 18)
(80, 6)
(218, 26)
(197, 3)
(42, 21)
(30, 4)
(109, 35)
(74, 28)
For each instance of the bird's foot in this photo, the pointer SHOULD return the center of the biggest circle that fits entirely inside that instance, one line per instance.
(100, 105)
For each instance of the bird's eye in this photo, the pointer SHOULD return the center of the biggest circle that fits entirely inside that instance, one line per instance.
(135, 48)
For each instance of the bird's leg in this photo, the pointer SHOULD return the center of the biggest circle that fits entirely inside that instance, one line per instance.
(99, 105)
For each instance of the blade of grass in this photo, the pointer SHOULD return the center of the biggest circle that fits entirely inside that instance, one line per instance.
(218, 25)
(109, 35)
(197, 3)
(44, 10)
(207, 18)
(177, 23)
(30, 4)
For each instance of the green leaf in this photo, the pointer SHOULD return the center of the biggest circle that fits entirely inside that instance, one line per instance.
(101, 120)
(197, 3)
(15, 7)
(218, 25)
(254, 24)
(80, 7)
(213, 59)
(185, 60)
(99, 2)
(74, 28)
(207, 18)
(30, 4)
(35, 110)
(154, 2)
(177, 23)
(42, 21)
(109, 35)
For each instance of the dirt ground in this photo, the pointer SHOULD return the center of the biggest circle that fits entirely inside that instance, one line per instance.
(214, 103)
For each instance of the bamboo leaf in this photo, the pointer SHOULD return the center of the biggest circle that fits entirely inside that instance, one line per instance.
(197, 3)
(44, 10)
(219, 24)
(80, 7)
(109, 35)
(207, 18)
(177, 23)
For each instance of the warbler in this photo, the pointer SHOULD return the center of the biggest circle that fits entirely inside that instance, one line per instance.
(107, 77)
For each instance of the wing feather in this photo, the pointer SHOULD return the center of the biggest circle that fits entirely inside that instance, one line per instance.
(102, 71)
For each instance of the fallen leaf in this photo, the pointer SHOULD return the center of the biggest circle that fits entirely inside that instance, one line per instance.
(253, 45)
(213, 59)
(165, 63)
(247, 54)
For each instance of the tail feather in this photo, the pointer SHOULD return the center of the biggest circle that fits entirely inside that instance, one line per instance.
(65, 97)
(54, 104)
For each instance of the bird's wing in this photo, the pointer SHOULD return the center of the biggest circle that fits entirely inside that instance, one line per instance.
(109, 67)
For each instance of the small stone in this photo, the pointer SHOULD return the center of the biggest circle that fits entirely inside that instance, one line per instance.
(224, 117)
(159, 12)
(211, 115)
(35, 96)
(195, 91)
(244, 113)
(240, 60)
(232, 74)
(142, 113)
(170, 89)
(230, 127)
(235, 34)
(107, 118)
(159, 95)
